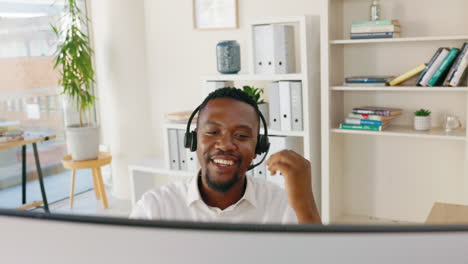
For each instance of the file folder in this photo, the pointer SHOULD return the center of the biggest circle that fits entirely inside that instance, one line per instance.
(274, 49)
(296, 106)
(181, 149)
(283, 49)
(285, 105)
(192, 161)
(260, 46)
(259, 172)
(173, 149)
(274, 106)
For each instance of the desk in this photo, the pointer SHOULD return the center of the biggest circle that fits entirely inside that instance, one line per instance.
(152, 173)
(30, 139)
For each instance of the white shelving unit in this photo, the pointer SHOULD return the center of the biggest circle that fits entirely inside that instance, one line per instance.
(148, 174)
(395, 175)
(307, 60)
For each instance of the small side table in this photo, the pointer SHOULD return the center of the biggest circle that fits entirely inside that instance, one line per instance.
(104, 158)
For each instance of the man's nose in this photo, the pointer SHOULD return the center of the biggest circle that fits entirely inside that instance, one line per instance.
(225, 142)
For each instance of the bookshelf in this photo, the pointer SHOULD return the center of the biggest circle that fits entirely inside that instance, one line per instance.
(396, 174)
(414, 39)
(153, 172)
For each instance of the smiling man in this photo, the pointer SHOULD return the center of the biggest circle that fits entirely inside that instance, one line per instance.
(227, 132)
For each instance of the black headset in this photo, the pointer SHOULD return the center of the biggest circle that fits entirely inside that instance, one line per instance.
(263, 144)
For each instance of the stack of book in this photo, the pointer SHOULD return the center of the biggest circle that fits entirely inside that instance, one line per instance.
(447, 67)
(367, 81)
(10, 131)
(375, 29)
(370, 118)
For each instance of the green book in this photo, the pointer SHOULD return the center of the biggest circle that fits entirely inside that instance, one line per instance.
(375, 23)
(361, 127)
(443, 68)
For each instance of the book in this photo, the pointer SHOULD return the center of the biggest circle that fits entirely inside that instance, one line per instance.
(373, 110)
(7, 126)
(368, 79)
(375, 35)
(371, 117)
(361, 127)
(375, 23)
(460, 73)
(356, 121)
(443, 68)
(456, 64)
(407, 75)
(434, 67)
(365, 84)
(429, 64)
(379, 28)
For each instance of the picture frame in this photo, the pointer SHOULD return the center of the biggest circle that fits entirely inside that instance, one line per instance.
(215, 14)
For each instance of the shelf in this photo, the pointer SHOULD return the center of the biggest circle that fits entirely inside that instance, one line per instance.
(270, 131)
(408, 131)
(255, 77)
(390, 40)
(402, 89)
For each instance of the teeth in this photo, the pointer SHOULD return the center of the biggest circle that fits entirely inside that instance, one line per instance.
(225, 162)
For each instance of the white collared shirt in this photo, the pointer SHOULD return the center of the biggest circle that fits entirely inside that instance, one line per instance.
(263, 202)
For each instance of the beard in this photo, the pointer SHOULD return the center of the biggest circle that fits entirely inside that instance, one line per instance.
(221, 187)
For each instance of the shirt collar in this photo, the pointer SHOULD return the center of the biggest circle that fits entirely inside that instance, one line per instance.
(193, 193)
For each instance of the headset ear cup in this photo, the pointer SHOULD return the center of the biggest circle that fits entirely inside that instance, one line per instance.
(262, 145)
(193, 145)
(187, 140)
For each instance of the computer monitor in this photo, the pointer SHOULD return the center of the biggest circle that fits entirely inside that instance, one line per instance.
(28, 237)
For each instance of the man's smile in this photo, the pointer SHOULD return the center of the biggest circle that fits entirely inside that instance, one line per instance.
(224, 163)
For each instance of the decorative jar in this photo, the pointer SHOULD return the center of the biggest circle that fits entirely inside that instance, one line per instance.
(228, 57)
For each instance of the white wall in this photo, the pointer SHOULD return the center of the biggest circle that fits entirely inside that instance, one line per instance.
(178, 55)
(163, 75)
(122, 90)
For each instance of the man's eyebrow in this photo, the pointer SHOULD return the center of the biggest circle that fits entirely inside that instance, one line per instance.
(218, 124)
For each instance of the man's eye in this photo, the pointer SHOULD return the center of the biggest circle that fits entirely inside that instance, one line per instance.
(211, 132)
(242, 136)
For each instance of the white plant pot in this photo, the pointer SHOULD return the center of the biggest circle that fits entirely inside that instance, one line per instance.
(83, 142)
(422, 122)
(264, 109)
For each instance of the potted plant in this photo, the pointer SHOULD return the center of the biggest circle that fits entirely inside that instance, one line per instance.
(255, 93)
(73, 58)
(422, 119)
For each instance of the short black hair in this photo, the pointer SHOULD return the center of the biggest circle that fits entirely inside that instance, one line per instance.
(233, 93)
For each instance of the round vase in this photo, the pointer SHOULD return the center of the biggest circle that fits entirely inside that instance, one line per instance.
(422, 122)
(228, 57)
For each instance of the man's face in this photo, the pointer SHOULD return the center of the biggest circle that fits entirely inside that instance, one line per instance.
(227, 135)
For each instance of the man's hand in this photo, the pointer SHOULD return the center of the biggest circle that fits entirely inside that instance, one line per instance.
(297, 174)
